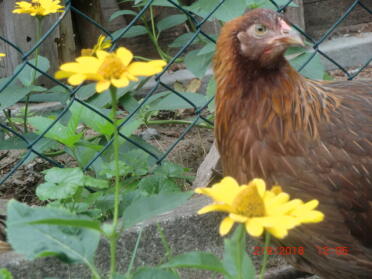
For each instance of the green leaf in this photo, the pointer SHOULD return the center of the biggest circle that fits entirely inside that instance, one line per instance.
(173, 170)
(154, 273)
(95, 182)
(210, 47)
(58, 132)
(235, 258)
(60, 183)
(92, 119)
(171, 101)
(211, 92)
(86, 91)
(122, 12)
(27, 74)
(69, 243)
(11, 94)
(313, 70)
(199, 260)
(80, 223)
(180, 41)
(155, 184)
(134, 31)
(129, 102)
(147, 207)
(198, 64)
(5, 274)
(171, 21)
(229, 10)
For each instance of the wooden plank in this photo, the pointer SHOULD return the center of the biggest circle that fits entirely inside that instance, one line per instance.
(296, 14)
(20, 30)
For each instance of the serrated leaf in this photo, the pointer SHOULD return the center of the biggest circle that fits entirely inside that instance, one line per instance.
(95, 182)
(60, 183)
(27, 74)
(58, 132)
(171, 21)
(147, 207)
(199, 260)
(155, 184)
(69, 243)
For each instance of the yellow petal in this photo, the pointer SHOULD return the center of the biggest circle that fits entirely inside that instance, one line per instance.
(102, 86)
(88, 64)
(313, 216)
(259, 184)
(226, 225)
(278, 232)
(101, 55)
(143, 69)
(253, 227)
(119, 83)
(215, 207)
(69, 67)
(238, 218)
(76, 79)
(224, 191)
(62, 74)
(125, 55)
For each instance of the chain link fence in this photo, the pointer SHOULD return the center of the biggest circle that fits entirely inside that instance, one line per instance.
(32, 144)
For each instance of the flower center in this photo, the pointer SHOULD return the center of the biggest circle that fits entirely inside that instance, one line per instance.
(249, 203)
(112, 67)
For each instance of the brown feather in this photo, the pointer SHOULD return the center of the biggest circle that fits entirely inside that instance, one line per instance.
(312, 137)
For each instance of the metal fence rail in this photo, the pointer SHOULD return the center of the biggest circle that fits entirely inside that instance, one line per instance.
(26, 56)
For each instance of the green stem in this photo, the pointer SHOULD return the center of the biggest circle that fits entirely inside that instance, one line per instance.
(114, 235)
(265, 256)
(37, 36)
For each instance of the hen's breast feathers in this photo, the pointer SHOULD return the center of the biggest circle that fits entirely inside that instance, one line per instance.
(314, 138)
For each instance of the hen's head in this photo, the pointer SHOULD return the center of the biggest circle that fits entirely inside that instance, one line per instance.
(262, 36)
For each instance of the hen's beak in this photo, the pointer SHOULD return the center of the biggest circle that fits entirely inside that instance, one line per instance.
(292, 38)
(288, 36)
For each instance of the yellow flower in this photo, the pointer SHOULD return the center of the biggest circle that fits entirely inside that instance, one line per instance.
(38, 7)
(107, 69)
(2, 54)
(258, 208)
(102, 43)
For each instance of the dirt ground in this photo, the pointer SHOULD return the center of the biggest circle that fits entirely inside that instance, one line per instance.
(189, 152)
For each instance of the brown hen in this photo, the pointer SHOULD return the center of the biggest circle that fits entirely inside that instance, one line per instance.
(312, 137)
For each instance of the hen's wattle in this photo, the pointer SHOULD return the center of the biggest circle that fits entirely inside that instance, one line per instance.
(312, 137)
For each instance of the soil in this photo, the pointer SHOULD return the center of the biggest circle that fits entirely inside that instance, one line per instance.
(189, 152)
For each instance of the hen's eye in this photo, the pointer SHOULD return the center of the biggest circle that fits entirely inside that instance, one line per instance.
(260, 29)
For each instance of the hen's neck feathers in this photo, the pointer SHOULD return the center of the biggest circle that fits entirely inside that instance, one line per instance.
(276, 98)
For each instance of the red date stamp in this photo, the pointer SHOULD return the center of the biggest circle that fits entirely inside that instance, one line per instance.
(300, 250)
(339, 251)
(281, 250)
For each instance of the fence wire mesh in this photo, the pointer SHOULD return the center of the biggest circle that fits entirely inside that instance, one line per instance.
(31, 145)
